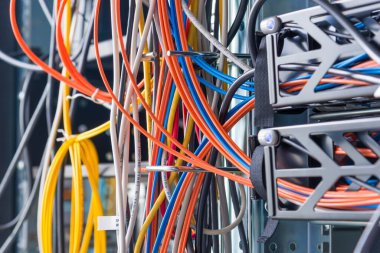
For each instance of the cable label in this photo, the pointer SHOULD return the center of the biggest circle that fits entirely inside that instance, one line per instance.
(108, 223)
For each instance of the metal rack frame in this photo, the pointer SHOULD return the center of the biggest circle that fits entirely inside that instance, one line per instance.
(328, 171)
(328, 54)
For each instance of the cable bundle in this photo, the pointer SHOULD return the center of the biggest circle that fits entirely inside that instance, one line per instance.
(173, 68)
(181, 127)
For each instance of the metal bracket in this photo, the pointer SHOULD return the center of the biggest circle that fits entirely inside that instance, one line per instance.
(319, 140)
(311, 22)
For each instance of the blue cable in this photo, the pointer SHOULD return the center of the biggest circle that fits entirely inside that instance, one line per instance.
(168, 212)
(217, 89)
(158, 161)
(169, 208)
(218, 74)
(197, 100)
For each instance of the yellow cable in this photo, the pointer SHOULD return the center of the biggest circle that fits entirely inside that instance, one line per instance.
(90, 160)
(192, 37)
(86, 152)
(148, 85)
(74, 145)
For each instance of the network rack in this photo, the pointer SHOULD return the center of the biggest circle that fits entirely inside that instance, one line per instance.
(315, 42)
(190, 126)
(314, 154)
(314, 145)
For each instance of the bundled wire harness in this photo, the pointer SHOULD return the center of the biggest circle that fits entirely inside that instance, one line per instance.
(172, 96)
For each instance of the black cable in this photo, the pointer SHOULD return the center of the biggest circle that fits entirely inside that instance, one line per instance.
(337, 14)
(131, 16)
(253, 44)
(214, 214)
(235, 203)
(216, 23)
(327, 31)
(156, 63)
(222, 118)
(214, 154)
(201, 211)
(208, 11)
(338, 34)
(237, 21)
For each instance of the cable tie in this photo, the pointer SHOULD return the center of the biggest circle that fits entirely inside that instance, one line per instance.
(92, 98)
(65, 135)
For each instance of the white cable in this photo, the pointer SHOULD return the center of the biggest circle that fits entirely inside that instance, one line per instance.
(120, 233)
(182, 214)
(125, 126)
(212, 39)
(165, 183)
(135, 202)
(46, 12)
(124, 134)
(46, 161)
(236, 222)
(135, 31)
(144, 35)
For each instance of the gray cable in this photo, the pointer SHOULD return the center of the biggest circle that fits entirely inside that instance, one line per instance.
(22, 96)
(224, 213)
(334, 11)
(50, 80)
(212, 39)
(236, 222)
(25, 138)
(19, 64)
(24, 212)
(22, 124)
(182, 214)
